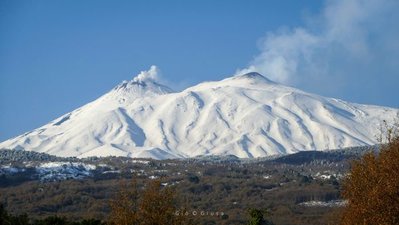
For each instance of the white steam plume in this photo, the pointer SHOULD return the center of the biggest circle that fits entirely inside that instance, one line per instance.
(345, 39)
(149, 75)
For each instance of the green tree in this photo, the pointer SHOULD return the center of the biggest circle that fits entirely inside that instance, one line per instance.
(89, 222)
(4, 216)
(52, 220)
(256, 217)
(7, 219)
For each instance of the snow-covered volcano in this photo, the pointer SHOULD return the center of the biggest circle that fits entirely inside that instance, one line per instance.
(246, 115)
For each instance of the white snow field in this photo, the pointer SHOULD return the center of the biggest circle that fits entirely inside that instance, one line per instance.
(246, 115)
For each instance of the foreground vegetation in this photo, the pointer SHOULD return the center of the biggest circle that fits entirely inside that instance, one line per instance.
(304, 188)
(218, 190)
(372, 187)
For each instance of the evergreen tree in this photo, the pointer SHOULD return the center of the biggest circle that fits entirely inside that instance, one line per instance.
(256, 217)
(4, 217)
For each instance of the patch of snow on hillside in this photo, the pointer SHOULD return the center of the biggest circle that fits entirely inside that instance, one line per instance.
(141, 161)
(334, 203)
(52, 171)
(10, 170)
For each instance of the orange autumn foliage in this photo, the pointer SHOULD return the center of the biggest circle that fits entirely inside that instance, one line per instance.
(372, 188)
(154, 205)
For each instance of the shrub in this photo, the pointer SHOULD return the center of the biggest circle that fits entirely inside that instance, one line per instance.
(372, 188)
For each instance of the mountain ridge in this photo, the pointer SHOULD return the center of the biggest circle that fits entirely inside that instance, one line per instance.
(245, 115)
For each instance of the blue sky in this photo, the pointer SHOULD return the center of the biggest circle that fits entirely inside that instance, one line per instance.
(58, 55)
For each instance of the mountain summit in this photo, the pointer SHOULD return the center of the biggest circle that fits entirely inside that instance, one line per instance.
(145, 84)
(245, 115)
(253, 76)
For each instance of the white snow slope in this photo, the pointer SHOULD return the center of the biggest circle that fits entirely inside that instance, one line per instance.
(246, 116)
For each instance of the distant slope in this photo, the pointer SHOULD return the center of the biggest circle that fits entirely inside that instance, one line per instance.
(246, 116)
